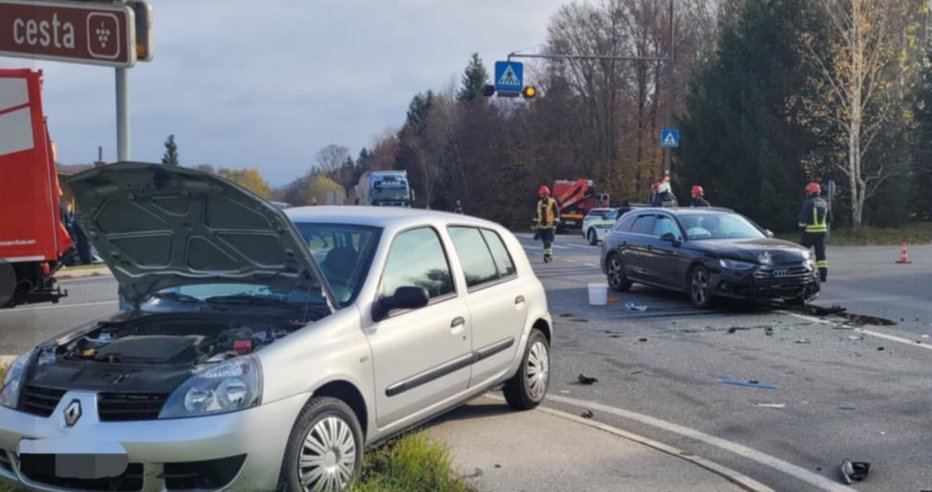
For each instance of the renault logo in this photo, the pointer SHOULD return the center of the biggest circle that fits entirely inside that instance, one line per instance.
(72, 413)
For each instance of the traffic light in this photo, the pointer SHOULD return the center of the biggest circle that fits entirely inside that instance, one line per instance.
(529, 92)
(488, 90)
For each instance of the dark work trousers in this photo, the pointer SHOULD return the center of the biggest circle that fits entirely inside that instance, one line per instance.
(817, 240)
(546, 235)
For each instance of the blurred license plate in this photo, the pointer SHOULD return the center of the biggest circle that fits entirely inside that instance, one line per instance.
(72, 458)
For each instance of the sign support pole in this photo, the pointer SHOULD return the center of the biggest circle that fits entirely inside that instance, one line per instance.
(122, 114)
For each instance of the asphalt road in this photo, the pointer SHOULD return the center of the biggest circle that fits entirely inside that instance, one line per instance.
(659, 370)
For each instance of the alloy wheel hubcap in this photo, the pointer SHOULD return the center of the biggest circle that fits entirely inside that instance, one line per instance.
(328, 456)
(700, 285)
(538, 370)
(615, 270)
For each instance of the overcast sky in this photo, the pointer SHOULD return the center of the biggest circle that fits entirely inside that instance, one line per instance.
(267, 83)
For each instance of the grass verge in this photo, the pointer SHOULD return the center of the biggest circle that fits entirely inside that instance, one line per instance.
(915, 233)
(411, 463)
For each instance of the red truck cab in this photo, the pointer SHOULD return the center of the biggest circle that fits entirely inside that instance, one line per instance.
(33, 240)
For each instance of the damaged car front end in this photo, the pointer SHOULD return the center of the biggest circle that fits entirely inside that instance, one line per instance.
(171, 393)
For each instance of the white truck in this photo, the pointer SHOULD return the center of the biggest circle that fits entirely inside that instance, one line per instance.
(384, 189)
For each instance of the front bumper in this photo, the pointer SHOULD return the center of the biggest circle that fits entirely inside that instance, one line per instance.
(259, 433)
(793, 282)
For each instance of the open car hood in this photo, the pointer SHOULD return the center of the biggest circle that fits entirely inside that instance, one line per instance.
(159, 226)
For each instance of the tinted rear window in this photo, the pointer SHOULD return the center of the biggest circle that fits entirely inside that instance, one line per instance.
(644, 225)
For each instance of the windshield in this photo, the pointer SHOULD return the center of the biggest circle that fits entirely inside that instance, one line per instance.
(719, 226)
(597, 214)
(344, 253)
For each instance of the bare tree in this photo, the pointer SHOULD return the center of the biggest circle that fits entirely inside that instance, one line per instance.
(330, 158)
(862, 76)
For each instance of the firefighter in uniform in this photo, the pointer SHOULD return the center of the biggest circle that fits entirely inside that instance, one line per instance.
(814, 219)
(548, 214)
(699, 197)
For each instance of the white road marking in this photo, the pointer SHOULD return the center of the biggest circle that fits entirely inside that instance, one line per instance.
(892, 338)
(60, 306)
(759, 457)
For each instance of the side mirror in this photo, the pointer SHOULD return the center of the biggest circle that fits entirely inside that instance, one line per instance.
(670, 238)
(408, 297)
(768, 233)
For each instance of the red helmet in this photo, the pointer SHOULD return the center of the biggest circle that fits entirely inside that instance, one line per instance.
(698, 191)
(543, 190)
(655, 186)
(813, 188)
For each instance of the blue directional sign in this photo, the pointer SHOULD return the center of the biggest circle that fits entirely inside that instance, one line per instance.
(669, 138)
(509, 76)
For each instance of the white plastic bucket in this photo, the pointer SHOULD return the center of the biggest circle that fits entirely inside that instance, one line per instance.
(598, 294)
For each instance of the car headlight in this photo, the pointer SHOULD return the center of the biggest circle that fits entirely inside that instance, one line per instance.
(228, 387)
(736, 264)
(13, 381)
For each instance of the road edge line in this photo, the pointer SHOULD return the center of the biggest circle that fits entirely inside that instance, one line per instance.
(735, 477)
(892, 338)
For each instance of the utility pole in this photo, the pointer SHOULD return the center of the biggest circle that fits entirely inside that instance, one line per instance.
(122, 114)
(667, 152)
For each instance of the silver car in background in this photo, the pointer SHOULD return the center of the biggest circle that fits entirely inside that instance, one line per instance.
(263, 351)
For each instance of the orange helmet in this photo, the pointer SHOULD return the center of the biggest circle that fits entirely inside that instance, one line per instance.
(813, 188)
(543, 190)
(698, 191)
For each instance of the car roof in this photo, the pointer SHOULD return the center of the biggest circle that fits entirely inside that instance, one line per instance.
(686, 210)
(602, 209)
(384, 217)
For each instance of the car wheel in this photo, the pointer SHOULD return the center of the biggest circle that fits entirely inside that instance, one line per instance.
(325, 448)
(700, 286)
(526, 389)
(593, 238)
(616, 274)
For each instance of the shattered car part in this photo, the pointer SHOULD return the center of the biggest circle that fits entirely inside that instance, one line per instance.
(854, 471)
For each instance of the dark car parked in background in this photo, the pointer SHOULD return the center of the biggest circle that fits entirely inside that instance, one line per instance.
(707, 253)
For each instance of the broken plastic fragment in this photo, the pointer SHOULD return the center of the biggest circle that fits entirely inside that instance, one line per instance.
(583, 379)
(587, 414)
(854, 471)
(631, 306)
(750, 383)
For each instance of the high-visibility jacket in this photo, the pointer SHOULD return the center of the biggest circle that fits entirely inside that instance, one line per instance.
(815, 215)
(548, 212)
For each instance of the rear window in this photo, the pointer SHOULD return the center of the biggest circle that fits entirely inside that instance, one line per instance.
(475, 257)
(597, 213)
(506, 267)
(644, 225)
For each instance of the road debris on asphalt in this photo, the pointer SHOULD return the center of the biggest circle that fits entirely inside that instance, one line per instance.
(855, 338)
(734, 329)
(880, 349)
(751, 383)
(632, 306)
(583, 379)
(587, 414)
(768, 331)
(803, 341)
(847, 408)
(770, 405)
(854, 471)
(642, 339)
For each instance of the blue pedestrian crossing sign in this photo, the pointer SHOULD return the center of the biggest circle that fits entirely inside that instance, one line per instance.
(669, 138)
(509, 76)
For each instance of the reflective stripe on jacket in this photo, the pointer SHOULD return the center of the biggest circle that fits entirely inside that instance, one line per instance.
(547, 213)
(815, 215)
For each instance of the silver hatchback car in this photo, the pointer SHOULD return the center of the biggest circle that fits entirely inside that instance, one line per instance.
(257, 352)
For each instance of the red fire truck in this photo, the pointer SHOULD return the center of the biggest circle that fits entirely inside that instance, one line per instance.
(33, 240)
(576, 198)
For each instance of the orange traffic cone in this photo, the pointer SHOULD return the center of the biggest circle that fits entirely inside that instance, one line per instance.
(904, 253)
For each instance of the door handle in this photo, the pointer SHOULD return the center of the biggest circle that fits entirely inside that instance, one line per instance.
(519, 300)
(458, 326)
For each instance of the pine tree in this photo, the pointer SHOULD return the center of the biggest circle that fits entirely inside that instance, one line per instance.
(475, 77)
(740, 137)
(170, 158)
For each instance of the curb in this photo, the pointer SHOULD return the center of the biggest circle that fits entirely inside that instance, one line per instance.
(6, 360)
(735, 477)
